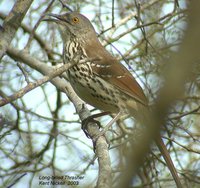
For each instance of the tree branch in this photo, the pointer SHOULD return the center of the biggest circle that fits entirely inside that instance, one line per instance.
(55, 72)
(101, 146)
(12, 23)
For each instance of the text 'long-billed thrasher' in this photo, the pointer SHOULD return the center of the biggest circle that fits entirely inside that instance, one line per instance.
(101, 80)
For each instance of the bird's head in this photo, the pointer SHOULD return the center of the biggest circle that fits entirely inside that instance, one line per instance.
(74, 24)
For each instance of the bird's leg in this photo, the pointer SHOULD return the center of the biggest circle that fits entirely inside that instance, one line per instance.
(106, 129)
(109, 124)
(168, 160)
(91, 119)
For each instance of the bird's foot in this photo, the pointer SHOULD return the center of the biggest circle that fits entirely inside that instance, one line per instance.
(85, 123)
(91, 119)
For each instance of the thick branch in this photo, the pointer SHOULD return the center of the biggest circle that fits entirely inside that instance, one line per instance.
(12, 23)
(92, 129)
(37, 37)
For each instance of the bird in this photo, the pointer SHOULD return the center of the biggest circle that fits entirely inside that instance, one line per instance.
(98, 78)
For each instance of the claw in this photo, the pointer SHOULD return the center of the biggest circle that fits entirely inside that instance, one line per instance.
(86, 121)
(91, 119)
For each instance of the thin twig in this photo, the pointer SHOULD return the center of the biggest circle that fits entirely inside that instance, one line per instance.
(31, 86)
(36, 26)
(23, 72)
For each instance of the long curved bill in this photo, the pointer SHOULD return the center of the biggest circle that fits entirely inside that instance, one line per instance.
(53, 18)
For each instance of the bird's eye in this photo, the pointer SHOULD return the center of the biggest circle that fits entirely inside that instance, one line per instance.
(75, 19)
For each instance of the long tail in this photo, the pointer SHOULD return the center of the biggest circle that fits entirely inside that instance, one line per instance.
(168, 160)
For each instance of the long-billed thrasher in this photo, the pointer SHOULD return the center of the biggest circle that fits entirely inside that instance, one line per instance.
(101, 80)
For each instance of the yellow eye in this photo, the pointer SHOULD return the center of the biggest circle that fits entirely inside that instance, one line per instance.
(75, 19)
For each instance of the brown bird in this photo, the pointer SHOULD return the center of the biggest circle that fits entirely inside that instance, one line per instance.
(101, 80)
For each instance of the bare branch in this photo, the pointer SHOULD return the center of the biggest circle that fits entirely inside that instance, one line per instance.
(31, 86)
(12, 23)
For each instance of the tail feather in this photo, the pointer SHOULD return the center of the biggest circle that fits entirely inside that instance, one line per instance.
(168, 160)
(143, 118)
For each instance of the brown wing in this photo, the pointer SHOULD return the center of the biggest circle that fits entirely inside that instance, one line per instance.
(116, 74)
(109, 69)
